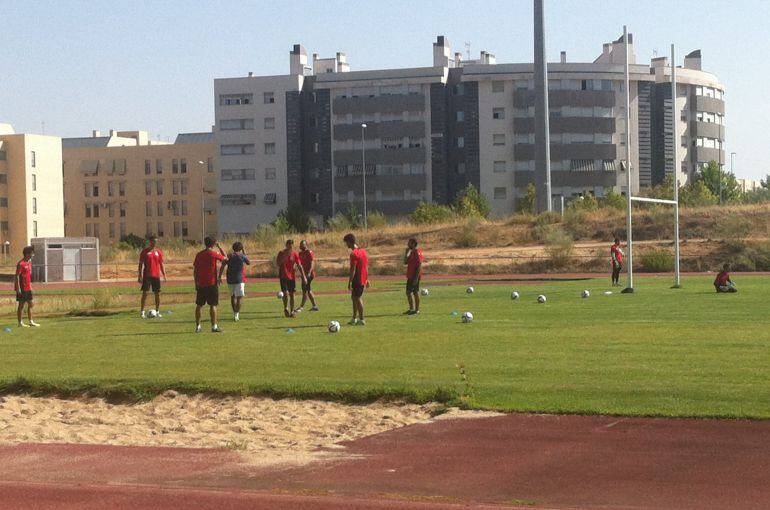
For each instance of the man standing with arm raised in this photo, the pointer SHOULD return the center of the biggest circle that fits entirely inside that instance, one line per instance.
(207, 290)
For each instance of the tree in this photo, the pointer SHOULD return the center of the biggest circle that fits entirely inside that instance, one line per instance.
(662, 191)
(526, 205)
(765, 183)
(696, 194)
(294, 219)
(470, 202)
(711, 175)
(614, 200)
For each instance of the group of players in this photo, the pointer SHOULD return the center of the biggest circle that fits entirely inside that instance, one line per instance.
(212, 263)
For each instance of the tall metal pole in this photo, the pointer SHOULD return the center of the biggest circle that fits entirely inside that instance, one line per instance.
(542, 136)
(203, 202)
(629, 236)
(363, 168)
(675, 145)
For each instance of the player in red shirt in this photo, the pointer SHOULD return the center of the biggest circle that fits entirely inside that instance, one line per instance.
(307, 258)
(723, 283)
(413, 261)
(288, 261)
(22, 284)
(151, 258)
(206, 282)
(359, 279)
(616, 254)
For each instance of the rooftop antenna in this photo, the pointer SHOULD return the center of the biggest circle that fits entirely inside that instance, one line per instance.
(468, 50)
(655, 53)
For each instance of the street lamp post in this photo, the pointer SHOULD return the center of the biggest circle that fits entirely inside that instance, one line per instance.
(363, 167)
(203, 204)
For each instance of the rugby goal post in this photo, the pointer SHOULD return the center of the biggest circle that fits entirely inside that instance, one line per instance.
(630, 198)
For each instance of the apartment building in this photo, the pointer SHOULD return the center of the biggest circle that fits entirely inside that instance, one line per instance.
(423, 134)
(125, 183)
(31, 196)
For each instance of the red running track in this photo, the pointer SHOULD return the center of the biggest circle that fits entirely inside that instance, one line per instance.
(532, 461)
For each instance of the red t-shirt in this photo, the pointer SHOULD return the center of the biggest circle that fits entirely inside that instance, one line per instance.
(722, 279)
(23, 268)
(206, 267)
(152, 258)
(307, 257)
(359, 262)
(415, 259)
(287, 262)
(616, 253)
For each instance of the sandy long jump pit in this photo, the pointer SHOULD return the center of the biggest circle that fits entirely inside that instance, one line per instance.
(263, 430)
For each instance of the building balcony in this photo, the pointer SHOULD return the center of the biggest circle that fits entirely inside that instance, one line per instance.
(558, 98)
(707, 154)
(414, 129)
(707, 129)
(387, 183)
(585, 125)
(522, 179)
(381, 156)
(526, 152)
(709, 104)
(383, 104)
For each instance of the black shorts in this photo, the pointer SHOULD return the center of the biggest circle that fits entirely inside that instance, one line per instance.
(357, 290)
(413, 285)
(306, 286)
(207, 295)
(148, 282)
(288, 285)
(24, 296)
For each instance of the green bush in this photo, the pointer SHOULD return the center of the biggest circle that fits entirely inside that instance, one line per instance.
(696, 194)
(376, 219)
(587, 203)
(133, 240)
(657, 261)
(338, 223)
(559, 246)
(576, 223)
(468, 237)
(614, 200)
(293, 219)
(267, 237)
(427, 213)
(548, 218)
(733, 226)
(470, 202)
(526, 205)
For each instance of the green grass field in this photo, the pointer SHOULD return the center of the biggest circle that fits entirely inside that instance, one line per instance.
(687, 352)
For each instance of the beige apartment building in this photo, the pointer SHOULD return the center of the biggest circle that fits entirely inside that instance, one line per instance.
(31, 198)
(125, 183)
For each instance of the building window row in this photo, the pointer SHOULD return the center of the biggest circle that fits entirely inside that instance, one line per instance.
(381, 195)
(710, 143)
(235, 99)
(377, 169)
(716, 118)
(379, 117)
(382, 90)
(572, 165)
(566, 138)
(116, 188)
(237, 149)
(179, 187)
(157, 185)
(709, 92)
(239, 174)
(236, 124)
(238, 199)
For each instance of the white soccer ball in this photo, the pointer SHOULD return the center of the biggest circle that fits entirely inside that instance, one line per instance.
(334, 327)
(514, 295)
(467, 317)
(279, 295)
(541, 298)
(585, 293)
(152, 314)
(424, 292)
(469, 290)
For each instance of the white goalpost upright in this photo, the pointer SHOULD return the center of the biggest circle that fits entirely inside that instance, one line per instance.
(675, 202)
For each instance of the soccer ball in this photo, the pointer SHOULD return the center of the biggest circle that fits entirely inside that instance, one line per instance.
(279, 295)
(541, 298)
(514, 295)
(467, 317)
(469, 290)
(152, 314)
(585, 294)
(334, 327)
(424, 292)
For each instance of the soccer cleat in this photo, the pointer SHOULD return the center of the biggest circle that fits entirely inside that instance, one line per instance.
(216, 329)
(413, 312)
(198, 328)
(408, 312)
(237, 317)
(286, 312)
(34, 324)
(352, 322)
(22, 325)
(361, 322)
(142, 316)
(158, 315)
(298, 310)
(314, 309)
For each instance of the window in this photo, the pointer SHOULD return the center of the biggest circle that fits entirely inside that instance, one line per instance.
(236, 124)
(238, 199)
(498, 139)
(174, 166)
(581, 165)
(239, 174)
(684, 141)
(122, 230)
(184, 207)
(88, 229)
(32, 159)
(122, 209)
(160, 229)
(3, 155)
(4, 180)
(117, 166)
(459, 142)
(315, 147)
(269, 173)
(269, 122)
(4, 226)
(110, 189)
(34, 205)
(315, 198)
(460, 168)
(96, 230)
(499, 167)
(182, 187)
(148, 188)
(176, 229)
(459, 116)
(185, 232)
(3, 202)
(270, 198)
(683, 117)
(147, 167)
(159, 208)
(269, 148)
(89, 166)
(500, 193)
(159, 187)
(498, 86)
(111, 210)
(148, 228)
(183, 166)
(112, 230)
(148, 209)
(210, 165)
(498, 113)
(235, 99)
(174, 187)
(459, 89)
(269, 97)
(158, 166)
(122, 188)
(232, 150)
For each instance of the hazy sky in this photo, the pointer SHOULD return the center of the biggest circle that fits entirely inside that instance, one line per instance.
(149, 65)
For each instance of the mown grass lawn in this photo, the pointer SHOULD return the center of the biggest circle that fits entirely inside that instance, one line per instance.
(687, 352)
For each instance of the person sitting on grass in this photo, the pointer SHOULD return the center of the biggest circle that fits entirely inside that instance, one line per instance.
(22, 284)
(236, 280)
(723, 283)
(413, 261)
(288, 262)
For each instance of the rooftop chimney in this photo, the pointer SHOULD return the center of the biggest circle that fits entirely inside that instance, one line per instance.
(96, 133)
(251, 74)
(297, 60)
(441, 52)
(563, 57)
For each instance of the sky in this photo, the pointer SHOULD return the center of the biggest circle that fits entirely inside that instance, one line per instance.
(70, 66)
